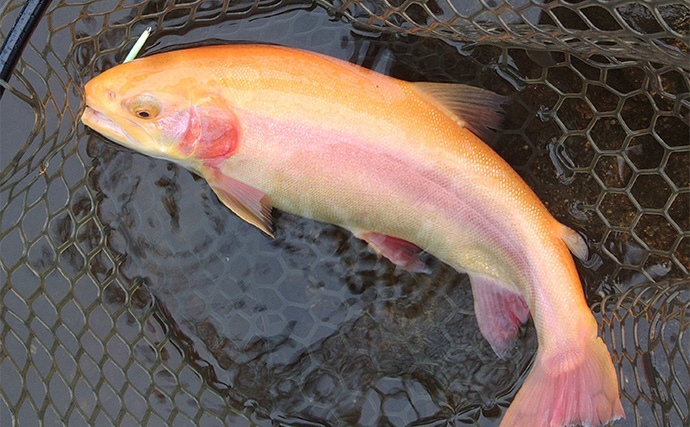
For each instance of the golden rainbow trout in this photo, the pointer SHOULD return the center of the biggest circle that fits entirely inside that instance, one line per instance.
(399, 164)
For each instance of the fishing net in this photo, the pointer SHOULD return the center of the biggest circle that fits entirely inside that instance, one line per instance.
(132, 296)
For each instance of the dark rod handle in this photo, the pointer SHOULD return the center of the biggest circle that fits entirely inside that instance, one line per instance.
(19, 35)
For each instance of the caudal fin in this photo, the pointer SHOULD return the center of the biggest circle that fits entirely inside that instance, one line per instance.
(576, 386)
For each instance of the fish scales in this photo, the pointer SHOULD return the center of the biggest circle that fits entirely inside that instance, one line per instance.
(400, 165)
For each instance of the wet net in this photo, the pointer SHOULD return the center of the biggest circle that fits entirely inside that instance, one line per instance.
(132, 296)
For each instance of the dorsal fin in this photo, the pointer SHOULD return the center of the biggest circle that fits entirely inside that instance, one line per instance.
(477, 109)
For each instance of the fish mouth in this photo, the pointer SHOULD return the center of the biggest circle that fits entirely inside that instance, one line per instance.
(107, 127)
(102, 124)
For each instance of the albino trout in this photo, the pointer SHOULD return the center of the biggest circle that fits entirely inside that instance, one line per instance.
(400, 165)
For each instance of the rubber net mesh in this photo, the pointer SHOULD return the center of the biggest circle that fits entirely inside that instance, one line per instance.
(130, 295)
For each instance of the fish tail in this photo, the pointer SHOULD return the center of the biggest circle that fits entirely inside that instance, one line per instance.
(568, 388)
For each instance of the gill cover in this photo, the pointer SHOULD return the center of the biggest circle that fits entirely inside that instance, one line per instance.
(212, 130)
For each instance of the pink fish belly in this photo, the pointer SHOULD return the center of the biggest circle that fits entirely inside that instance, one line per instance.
(442, 204)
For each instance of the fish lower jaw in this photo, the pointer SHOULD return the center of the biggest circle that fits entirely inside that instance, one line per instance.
(102, 124)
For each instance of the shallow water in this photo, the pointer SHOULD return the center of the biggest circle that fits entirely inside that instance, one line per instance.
(152, 302)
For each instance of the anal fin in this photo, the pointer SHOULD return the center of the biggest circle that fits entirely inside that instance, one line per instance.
(400, 252)
(499, 312)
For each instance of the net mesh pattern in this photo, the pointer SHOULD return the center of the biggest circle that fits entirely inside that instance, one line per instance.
(656, 31)
(132, 296)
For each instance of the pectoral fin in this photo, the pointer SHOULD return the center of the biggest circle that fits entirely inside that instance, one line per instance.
(499, 312)
(400, 252)
(245, 201)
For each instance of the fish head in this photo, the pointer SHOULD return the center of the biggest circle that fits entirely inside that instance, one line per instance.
(162, 108)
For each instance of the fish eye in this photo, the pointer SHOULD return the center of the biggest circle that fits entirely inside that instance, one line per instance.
(144, 106)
